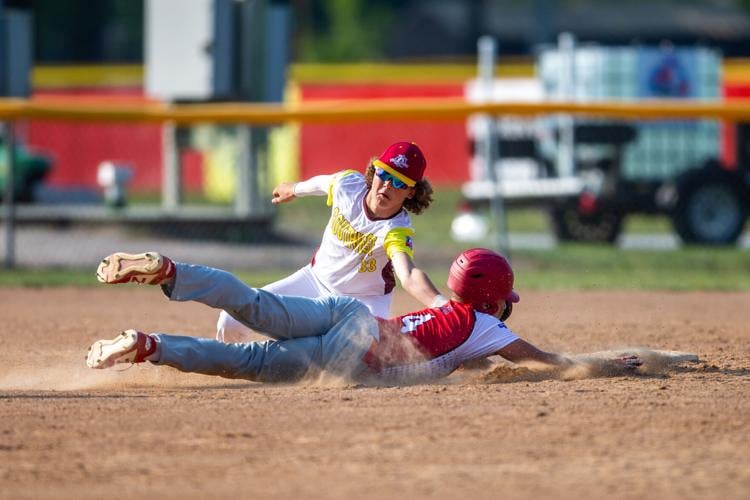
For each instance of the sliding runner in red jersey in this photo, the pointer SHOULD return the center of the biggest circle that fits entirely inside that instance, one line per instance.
(333, 334)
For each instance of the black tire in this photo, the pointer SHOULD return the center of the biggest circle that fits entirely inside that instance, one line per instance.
(711, 208)
(569, 224)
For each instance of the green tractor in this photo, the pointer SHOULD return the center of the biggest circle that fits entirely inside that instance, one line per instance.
(30, 170)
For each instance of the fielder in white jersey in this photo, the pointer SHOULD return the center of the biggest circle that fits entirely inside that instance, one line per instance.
(367, 243)
(333, 334)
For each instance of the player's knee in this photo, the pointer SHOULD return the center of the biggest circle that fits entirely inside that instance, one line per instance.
(224, 326)
(229, 330)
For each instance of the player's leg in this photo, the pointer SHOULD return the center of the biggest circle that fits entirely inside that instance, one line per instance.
(278, 316)
(333, 333)
(269, 361)
(230, 330)
(299, 283)
(339, 351)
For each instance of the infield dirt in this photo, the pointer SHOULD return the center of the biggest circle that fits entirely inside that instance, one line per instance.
(490, 432)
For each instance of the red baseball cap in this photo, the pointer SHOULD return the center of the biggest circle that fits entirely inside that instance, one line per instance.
(404, 160)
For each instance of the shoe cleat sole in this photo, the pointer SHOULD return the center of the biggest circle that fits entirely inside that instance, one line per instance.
(106, 353)
(117, 267)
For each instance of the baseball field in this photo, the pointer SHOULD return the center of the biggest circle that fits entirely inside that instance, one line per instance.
(672, 430)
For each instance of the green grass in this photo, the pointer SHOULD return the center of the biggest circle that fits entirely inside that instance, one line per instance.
(591, 266)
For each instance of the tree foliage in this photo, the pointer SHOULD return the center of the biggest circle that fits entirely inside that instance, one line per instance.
(342, 30)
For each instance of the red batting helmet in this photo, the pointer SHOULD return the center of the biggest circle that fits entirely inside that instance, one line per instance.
(482, 278)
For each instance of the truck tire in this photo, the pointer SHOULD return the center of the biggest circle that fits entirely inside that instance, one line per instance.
(569, 224)
(711, 208)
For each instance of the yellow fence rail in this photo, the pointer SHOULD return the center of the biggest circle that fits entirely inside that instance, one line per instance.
(352, 111)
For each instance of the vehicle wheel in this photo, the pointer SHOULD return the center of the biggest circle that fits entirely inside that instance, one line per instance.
(570, 224)
(710, 209)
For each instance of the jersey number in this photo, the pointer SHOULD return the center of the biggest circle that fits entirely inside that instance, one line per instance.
(410, 323)
(367, 265)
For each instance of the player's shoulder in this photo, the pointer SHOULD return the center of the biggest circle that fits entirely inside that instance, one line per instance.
(399, 222)
(348, 186)
(349, 178)
(487, 321)
(463, 308)
(347, 183)
(453, 308)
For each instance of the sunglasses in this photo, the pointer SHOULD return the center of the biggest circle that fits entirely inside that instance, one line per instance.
(385, 177)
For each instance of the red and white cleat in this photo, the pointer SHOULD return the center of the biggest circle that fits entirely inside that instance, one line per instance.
(148, 268)
(130, 346)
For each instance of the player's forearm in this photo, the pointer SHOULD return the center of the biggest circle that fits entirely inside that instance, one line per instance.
(520, 350)
(551, 358)
(419, 286)
(314, 186)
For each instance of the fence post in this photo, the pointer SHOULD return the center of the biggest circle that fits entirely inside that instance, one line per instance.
(171, 190)
(244, 194)
(566, 145)
(8, 198)
(490, 147)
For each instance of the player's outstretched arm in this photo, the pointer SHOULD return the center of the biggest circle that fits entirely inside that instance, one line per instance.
(519, 351)
(314, 186)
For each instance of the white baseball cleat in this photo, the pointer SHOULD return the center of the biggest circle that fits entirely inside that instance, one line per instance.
(131, 346)
(148, 268)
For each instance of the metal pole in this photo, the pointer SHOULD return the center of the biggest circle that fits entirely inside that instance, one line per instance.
(243, 197)
(490, 147)
(566, 146)
(171, 178)
(8, 197)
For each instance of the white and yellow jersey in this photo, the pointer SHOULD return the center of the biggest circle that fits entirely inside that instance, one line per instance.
(354, 257)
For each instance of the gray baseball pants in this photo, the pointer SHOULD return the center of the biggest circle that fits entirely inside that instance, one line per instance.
(330, 334)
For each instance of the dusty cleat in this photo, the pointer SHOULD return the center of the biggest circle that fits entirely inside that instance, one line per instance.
(130, 346)
(148, 268)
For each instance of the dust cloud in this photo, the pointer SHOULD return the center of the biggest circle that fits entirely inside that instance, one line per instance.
(590, 365)
(72, 375)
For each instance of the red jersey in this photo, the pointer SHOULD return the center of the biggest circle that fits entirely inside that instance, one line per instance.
(421, 335)
(433, 342)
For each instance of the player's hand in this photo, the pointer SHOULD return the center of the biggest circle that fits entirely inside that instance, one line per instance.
(283, 193)
(628, 363)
